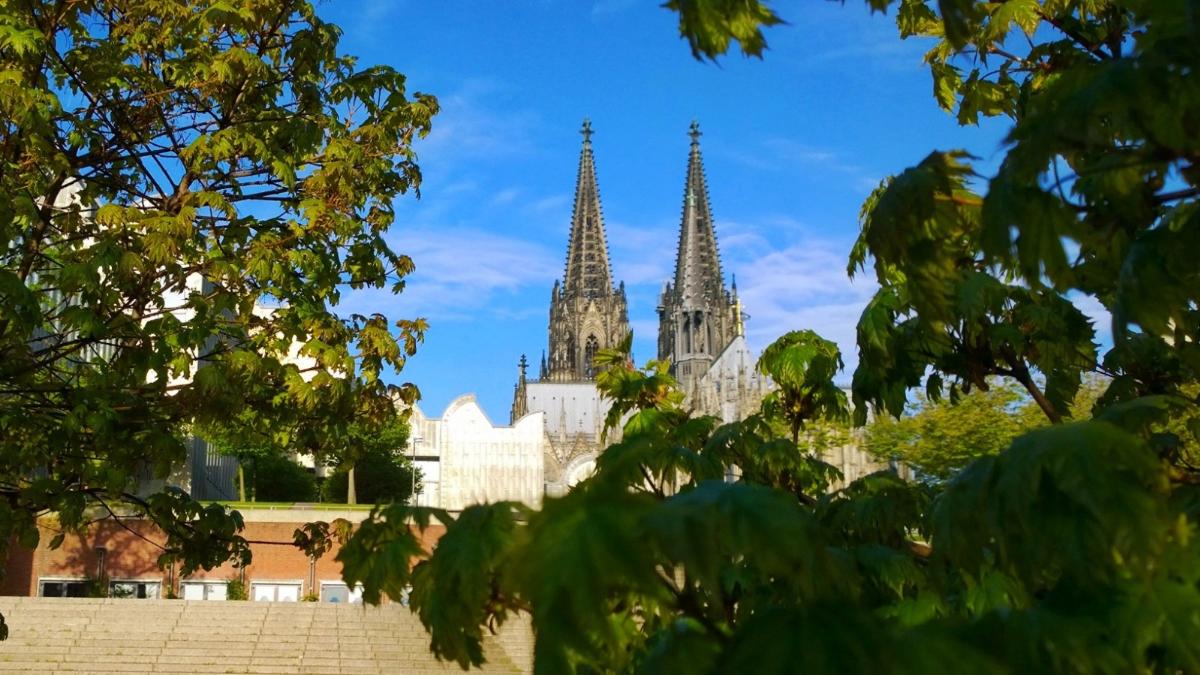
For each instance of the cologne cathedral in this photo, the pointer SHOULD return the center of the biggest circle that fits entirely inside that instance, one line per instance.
(554, 433)
(700, 328)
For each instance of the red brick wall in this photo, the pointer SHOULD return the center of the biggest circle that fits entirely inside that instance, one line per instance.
(130, 556)
(18, 576)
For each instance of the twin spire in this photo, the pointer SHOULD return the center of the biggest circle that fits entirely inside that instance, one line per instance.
(698, 317)
(588, 273)
(697, 262)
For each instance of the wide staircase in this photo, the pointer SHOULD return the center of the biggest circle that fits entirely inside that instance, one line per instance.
(77, 635)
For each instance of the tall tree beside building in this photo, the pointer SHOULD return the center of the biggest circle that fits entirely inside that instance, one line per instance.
(165, 167)
(1072, 550)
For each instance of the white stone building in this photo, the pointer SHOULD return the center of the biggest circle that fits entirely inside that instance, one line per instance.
(465, 459)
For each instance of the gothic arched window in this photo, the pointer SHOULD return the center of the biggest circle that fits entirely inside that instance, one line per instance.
(590, 355)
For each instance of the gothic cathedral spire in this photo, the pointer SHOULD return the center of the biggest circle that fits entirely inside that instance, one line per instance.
(698, 316)
(587, 271)
(587, 313)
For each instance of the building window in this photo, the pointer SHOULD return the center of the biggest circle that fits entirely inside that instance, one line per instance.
(334, 591)
(275, 591)
(133, 588)
(64, 588)
(593, 346)
(86, 588)
(204, 590)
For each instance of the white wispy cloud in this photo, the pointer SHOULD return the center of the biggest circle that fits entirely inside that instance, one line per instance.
(505, 196)
(738, 240)
(642, 254)
(802, 286)
(547, 204)
(885, 54)
(472, 125)
(788, 154)
(462, 272)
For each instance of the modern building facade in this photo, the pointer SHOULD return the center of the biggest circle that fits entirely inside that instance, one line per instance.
(464, 459)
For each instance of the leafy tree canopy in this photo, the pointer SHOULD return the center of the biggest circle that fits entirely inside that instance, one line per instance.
(382, 472)
(166, 169)
(1072, 550)
(277, 478)
(938, 438)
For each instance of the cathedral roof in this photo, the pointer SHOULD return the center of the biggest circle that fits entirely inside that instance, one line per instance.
(588, 272)
(697, 264)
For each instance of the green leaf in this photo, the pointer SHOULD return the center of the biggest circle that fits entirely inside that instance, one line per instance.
(711, 25)
(1083, 501)
(582, 553)
(454, 587)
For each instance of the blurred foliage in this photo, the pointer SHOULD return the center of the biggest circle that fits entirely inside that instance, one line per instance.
(937, 438)
(1067, 548)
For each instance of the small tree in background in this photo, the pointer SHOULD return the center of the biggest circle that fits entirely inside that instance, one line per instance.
(372, 456)
(939, 439)
(380, 476)
(802, 365)
(282, 479)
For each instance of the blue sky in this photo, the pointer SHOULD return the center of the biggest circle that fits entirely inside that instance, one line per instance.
(792, 144)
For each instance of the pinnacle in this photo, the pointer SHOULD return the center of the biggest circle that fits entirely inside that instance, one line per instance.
(587, 269)
(698, 262)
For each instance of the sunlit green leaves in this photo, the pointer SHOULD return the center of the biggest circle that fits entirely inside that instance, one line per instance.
(169, 170)
(710, 26)
(198, 536)
(1078, 503)
(460, 587)
(380, 554)
(582, 560)
(803, 364)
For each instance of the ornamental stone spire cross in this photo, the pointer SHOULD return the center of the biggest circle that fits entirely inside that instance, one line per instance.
(696, 313)
(588, 272)
(587, 313)
(697, 263)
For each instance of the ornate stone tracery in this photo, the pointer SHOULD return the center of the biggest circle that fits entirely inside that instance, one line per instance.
(587, 313)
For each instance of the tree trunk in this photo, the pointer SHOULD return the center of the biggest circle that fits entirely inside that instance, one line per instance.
(241, 483)
(351, 494)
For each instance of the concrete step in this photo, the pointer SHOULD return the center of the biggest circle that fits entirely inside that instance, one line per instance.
(172, 636)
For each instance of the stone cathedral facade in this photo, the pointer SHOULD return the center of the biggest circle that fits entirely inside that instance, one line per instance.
(587, 312)
(700, 328)
(556, 421)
